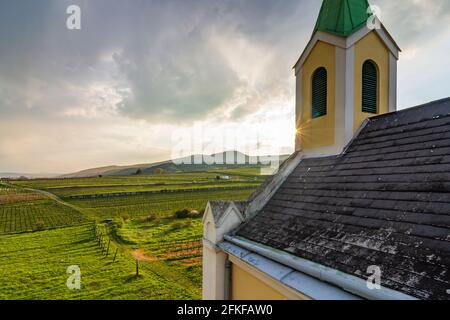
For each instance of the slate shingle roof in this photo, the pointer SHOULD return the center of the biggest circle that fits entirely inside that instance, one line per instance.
(219, 208)
(385, 201)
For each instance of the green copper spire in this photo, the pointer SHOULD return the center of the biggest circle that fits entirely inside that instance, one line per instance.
(342, 17)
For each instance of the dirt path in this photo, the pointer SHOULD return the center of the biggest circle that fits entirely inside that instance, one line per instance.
(140, 255)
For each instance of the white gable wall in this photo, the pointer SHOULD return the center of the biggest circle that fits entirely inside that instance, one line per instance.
(215, 282)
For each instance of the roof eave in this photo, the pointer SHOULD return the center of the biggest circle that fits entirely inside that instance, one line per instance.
(298, 281)
(335, 277)
(342, 37)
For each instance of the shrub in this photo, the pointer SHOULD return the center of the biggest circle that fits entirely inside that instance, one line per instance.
(197, 214)
(39, 225)
(125, 217)
(182, 214)
(151, 217)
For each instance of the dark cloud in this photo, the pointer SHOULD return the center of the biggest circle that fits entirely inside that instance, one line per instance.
(413, 22)
(171, 62)
(160, 58)
(163, 63)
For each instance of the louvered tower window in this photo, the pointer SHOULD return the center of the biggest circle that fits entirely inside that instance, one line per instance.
(319, 93)
(369, 87)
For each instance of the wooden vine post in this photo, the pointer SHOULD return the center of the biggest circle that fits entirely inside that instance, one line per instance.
(137, 267)
(107, 250)
(115, 255)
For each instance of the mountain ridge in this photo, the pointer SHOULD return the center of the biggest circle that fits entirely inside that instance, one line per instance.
(185, 164)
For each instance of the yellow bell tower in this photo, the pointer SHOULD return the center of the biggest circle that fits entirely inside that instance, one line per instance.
(346, 74)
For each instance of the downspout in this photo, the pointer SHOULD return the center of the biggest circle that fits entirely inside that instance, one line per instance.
(347, 282)
(227, 286)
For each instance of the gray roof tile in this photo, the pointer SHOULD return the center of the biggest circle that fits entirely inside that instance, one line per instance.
(385, 202)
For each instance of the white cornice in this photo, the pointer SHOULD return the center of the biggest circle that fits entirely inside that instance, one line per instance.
(347, 42)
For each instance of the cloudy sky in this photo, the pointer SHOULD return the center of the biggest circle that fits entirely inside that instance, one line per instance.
(141, 74)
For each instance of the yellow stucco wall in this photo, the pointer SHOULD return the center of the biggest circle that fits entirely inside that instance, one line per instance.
(372, 48)
(318, 132)
(245, 286)
(247, 283)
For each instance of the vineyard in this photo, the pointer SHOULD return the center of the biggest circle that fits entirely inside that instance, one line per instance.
(161, 204)
(158, 181)
(37, 215)
(34, 267)
(110, 227)
(11, 195)
(22, 211)
(177, 242)
(111, 191)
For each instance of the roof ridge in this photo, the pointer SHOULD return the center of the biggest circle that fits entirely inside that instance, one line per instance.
(426, 104)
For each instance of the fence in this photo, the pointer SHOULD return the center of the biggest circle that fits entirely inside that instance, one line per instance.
(173, 250)
(105, 243)
(141, 193)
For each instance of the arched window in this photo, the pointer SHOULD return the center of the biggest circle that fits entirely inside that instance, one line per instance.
(369, 87)
(319, 93)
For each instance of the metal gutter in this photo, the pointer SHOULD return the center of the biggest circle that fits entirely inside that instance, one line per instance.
(293, 279)
(342, 280)
(227, 288)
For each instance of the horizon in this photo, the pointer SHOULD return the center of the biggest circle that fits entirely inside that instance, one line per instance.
(137, 75)
(40, 174)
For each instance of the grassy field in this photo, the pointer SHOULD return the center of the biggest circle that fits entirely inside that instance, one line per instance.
(92, 191)
(161, 180)
(34, 266)
(177, 242)
(47, 225)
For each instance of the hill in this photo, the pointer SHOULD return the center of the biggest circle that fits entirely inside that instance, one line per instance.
(18, 175)
(193, 163)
